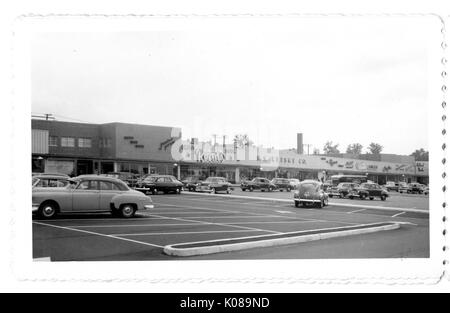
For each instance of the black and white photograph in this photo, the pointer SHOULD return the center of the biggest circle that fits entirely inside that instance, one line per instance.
(201, 144)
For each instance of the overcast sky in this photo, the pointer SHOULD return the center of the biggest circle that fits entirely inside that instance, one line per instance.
(343, 82)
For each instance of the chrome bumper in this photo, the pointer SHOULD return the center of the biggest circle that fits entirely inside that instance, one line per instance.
(34, 208)
(307, 200)
(149, 206)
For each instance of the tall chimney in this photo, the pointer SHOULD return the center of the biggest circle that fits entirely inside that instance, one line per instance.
(300, 143)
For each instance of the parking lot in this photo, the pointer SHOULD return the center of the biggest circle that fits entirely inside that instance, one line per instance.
(191, 217)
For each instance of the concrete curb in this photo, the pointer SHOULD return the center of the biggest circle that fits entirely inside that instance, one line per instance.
(362, 206)
(218, 248)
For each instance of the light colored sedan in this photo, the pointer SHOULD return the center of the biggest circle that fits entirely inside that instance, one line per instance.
(90, 194)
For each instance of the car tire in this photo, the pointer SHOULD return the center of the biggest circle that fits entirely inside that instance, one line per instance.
(371, 198)
(243, 189)
(48, 210)
(250, 189)
(127, 210)
(383, 197)
(297, 204)
(281, 190)
(270, 189)
(362, 196)
(178, 191)
(350, 197)
(228, 191)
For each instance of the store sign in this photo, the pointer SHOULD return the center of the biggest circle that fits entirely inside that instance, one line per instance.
(211, 157)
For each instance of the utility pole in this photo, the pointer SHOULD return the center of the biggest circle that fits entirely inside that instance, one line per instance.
(46, 116)
(224, 144)
(215, 141)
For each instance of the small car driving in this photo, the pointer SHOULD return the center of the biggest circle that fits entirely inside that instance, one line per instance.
(369, 190)
(214, 185)
(90, 194)
(258, 183)
(310, 192)
(282, 184)
(157, 183)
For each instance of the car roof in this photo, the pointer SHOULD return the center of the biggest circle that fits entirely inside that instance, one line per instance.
(96, 177)
(50, 174)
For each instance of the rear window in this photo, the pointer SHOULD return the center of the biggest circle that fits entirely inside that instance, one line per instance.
(309, 187)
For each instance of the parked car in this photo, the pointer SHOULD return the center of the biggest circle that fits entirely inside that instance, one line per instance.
(282, 184)
(190, 183)
(258, 183)
(310, 192)
(391, 186)
(214, 185)
(416, 188)
(341, 190)
(129, 178)
(404, 187)
(368, 190)
(426, 190)
(47, 180)
(90, 194)
(294, 183)
(157, 183)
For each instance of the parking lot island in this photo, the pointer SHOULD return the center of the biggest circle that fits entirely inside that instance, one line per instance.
(235, 244)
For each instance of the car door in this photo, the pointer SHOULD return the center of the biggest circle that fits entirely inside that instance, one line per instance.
(86, 196)
(377, 190)
(107, 191)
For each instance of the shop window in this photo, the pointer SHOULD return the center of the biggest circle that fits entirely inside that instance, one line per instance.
(67, 142)
(84, 142)
(52, 141)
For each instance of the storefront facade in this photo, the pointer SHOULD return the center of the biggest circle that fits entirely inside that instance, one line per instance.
(77, 149)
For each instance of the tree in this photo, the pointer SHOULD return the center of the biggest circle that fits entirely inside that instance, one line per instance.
(355, 148)
(330, 148)
(420, 155)
(242, 140)
(375, 148)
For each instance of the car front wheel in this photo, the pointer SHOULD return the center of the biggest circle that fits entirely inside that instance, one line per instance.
(48, 210)
(127, 211)
(383, 197)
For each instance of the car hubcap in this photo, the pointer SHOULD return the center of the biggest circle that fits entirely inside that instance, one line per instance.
(127, 210)
(48, 211)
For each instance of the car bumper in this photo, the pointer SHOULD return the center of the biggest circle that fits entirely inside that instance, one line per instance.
(34, 208)
(149, 206)
(143, 189)
(307, 200)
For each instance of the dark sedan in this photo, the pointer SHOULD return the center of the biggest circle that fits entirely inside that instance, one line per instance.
(190, 183)
(214, 185)
(369, 190)
(258, 183)
(282, 184)
(160, 183)
(341, 190)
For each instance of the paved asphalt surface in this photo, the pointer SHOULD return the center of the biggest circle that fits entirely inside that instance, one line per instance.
(191, 217)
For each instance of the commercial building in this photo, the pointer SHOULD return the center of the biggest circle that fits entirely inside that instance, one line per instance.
(77, 148)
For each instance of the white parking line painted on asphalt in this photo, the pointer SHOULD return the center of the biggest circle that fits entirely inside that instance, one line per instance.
(284, 212)
(385, 208)
(356, 211)
(98, 234)
(271, 215)
(401, 213)
(227, 225)
(191, 224)
(189, 232)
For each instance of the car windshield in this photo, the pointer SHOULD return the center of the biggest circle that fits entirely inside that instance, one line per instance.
(309, 187)
(150, 179)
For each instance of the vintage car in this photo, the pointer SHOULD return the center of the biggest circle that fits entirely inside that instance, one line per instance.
(129, 178)
(214, 185)
(282, 184)
(294, 183)
(190, 183)
(404, 187)
(426, 190)
(391, 186)
(90, 194)
(416, 188)
(341, 190)
(310, 192)
(47, 180)
(157, 183)
(258, 183)
(368, 190)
